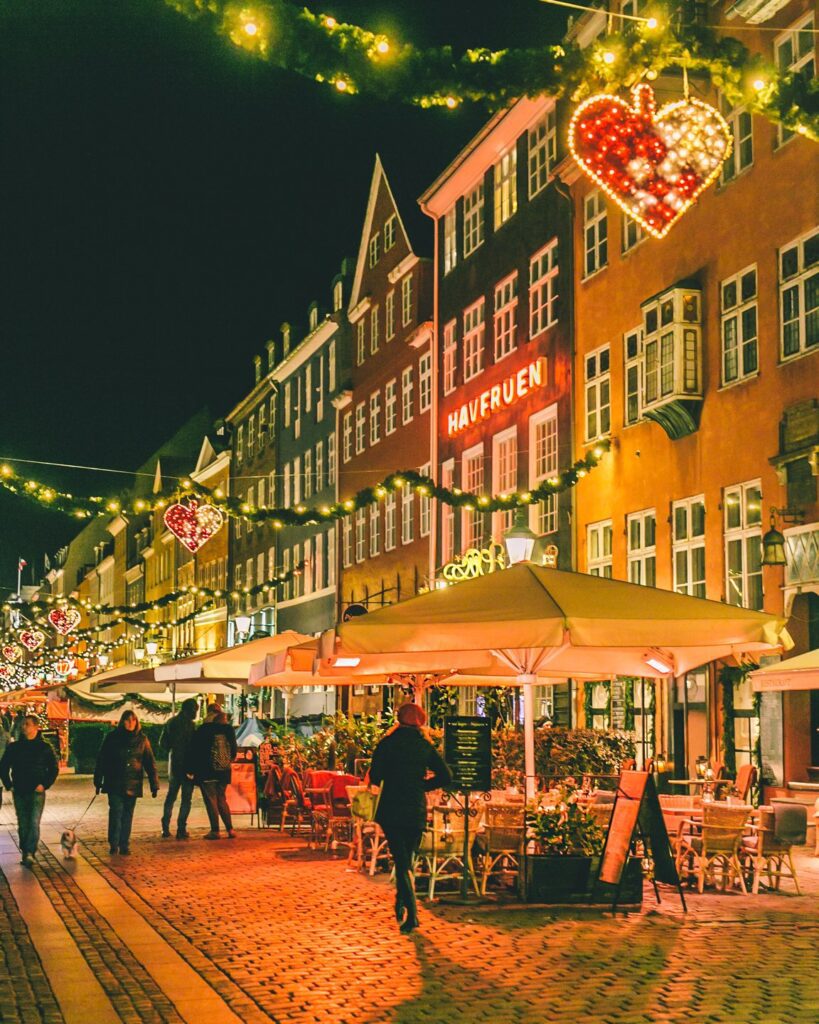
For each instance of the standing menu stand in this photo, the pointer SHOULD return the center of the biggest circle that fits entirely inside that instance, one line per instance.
(468, 753)
(636, 813)
(242, 792)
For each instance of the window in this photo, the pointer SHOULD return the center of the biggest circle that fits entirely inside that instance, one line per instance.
(473, 339)
(390, 315)
(260, 560)
(450, 241)
(375, 417)
(285, 570)
(251, 436)
(506, 187)
(250, 500)
(598, 549)
(542, 152)
(360, 534)
(389, 233)
(504, 476)
(313, 317)
(390, 503)
(631, 375)
(740, 125)
(599, 703)
(595, 232)
(425, 382)
(688, 546)
(642, 551)
(320, 389)
(743, 545)
(424, 505)
(795, 52)
(447, 514)
(297, 479)
(506, 306)
(543, 466)
(308, 473)
(297, 408)
(360, 427)
(374, 330)
(331, 460)
(286, 485)
(598, 393)
(391, 407)
(271, 563)
(799, 295)
(473, 219)
(347, 436)
(633, 233)
(318, 562)
(672, 343)
(237, 576)
(331, 366)
(347, 542)
(272, 407)
(406, 394)
(338, 296)
(240, 442)
(271, 487)
(319, 465)
(262, 426)
(407, 521)
(260, 488)
(375, 531)
(406, 300)
(249, 573)
(331, 558)
(298, 578)
(543, 289)
(374, 249)
(739, 326)
(288, 402)
(450, 357)
(472, 482)
(359, 342)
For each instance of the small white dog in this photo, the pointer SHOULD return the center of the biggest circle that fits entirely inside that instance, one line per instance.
(69, 843)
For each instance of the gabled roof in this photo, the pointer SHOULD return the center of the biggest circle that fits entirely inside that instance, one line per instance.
(378, 177)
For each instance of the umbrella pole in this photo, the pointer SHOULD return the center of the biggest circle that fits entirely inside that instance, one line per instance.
(527, 681)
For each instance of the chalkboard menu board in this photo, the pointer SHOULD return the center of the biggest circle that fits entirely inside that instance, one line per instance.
(618, 704)
(637, 802)
(468, 752)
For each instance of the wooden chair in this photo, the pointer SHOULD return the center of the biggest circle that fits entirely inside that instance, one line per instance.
(746, 777)
(764, 852)
(501, 842)
(296, 808)
(441, 854)
(714, 844)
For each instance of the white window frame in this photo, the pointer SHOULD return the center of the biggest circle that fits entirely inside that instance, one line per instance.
(318, 561)
(375, 417)
(472, 481)
(505, 319)
(800, 59)
(347, 436)
(739, 326)
(360, 535)
(597, 393)
(632, 375)
(473, 219)
(374, 250)
(542, 151)
(374, 330)
(331, 460)
(308, 474)
(331, 366)
(474, 338)
(308, 386)
(641, 543)
(741, 125)
(407, 515)
(338, 296)
(450, 240)
(746, 499)
(406, 300)
(450, 357)
(543, 276)
(599, 548)
(796, 284)
(286, 485)
(286, 569)
(240, 442)
(389, 314)
(319, 466)
(543, 465)
(407, 386)
(297, 408)
(390, 506)
(504, 476)
(505, 186)
(347, 542)
(375, 531)
(685, 544)
(297, 479)
(360, 427)
(425, 382)
(447, 514)
(424, 505)
(595, 233)
(251, 435)
(633, 233)
(261, 437)
(389, 232)
(360, 342)
(331, 557)
(391, 406)
(288, 399)
(320, 389)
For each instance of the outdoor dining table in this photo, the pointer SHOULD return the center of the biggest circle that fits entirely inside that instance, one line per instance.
(700, 782)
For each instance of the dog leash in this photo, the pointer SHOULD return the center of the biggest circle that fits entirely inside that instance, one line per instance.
(87, 809)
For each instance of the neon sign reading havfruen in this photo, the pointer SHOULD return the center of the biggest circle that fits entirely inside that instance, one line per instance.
(499, 396)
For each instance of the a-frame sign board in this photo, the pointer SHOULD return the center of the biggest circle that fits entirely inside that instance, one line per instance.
(636, 814)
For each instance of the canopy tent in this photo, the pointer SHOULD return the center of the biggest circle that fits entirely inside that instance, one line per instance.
(801, 673)
(534, 621)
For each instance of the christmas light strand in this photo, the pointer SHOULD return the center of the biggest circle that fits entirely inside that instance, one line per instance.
(351, 59)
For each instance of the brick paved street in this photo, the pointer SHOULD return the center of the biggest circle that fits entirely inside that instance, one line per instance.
(273, 931)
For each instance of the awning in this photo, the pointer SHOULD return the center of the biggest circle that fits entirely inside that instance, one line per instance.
(801, 673)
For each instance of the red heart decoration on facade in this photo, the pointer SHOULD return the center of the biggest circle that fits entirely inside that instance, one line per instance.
(193, 524)
(652, 163)
(12, 653)
(6, 672)
(64, 619)
(31, 639)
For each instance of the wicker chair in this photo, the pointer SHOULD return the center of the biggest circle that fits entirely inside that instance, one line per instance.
(763, 852)
(700, 848)
(441, 854)
(369, 844)
(297, 808)
(501, 842)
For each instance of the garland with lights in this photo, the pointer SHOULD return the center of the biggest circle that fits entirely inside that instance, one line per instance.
(352, 59)
(301, 515)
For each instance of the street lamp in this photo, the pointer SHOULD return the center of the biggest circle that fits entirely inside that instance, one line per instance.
(242, 626)
(139, 653)
(151, 648)
(773, 543)
(519, 539)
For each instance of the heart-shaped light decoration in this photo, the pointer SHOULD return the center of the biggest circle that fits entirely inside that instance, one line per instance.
(193, 524)
(652, 163)
(11, 652)
(31, 639)
(63, 667)
(6, 672)
(64, 620)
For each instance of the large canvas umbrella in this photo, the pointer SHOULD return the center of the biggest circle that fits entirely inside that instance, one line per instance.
(800, 673)
(228, 664)
(132, 679)
(533, 621)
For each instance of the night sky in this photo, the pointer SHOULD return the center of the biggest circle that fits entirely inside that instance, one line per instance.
(167, 202)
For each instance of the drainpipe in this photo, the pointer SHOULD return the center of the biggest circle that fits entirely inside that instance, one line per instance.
(433, 412)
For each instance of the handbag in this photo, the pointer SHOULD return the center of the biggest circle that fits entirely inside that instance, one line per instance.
(364, 803)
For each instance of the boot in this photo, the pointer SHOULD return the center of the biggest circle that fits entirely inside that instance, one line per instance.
(411, 907)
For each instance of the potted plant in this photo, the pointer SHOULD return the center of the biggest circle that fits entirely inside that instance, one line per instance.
(563, 847)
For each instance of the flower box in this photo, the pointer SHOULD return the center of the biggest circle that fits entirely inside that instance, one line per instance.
(550, 879)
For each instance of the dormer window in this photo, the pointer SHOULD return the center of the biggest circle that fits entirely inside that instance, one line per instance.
(313, 317)
(374, 249)
(285, 338)
(338, 296)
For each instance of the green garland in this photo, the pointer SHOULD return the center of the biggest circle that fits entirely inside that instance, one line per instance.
(352, 59)
(301, 515)
(159, 707)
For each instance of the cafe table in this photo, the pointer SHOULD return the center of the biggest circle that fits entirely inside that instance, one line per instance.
(716, 783)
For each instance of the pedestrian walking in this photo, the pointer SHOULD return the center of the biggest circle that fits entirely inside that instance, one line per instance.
(400, 764)
(124, 759)
(176, 740)
(28, 768)
(211, 754)
(5, 737)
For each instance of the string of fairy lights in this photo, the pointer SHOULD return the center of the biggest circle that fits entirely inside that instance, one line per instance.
(352, 59)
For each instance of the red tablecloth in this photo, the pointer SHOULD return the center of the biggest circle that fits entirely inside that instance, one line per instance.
(316, 779)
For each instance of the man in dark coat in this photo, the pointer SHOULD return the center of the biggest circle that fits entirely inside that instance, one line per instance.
(28, 768)
(176, 740)
(401, 762)
(124, 759)
(210, 756)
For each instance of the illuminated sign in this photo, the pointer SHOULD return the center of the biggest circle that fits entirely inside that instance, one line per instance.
(474, 562)
(499, 396)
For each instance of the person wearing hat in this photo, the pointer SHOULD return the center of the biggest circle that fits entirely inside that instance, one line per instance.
(401, 763)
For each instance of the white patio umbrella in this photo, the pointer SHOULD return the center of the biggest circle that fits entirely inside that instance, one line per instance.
(801, 673)
(530, 621)
(228, 664)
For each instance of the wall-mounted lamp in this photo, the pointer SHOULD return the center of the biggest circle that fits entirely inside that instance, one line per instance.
(773, 543)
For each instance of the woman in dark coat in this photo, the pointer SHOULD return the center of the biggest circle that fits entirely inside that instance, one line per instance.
(122, 763)
(401, 763)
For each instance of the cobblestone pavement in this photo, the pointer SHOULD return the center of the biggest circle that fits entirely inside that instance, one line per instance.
(288, 935)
